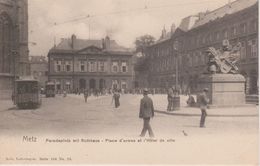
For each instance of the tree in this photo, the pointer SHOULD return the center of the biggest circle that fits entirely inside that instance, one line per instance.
(143, 42)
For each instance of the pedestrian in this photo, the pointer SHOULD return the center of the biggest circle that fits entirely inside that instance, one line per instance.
(13, 96)
(146, 112)
(170, 99)
(191, 101)
(64, 93)
(116, 98)
(203, 101)
(86, 95)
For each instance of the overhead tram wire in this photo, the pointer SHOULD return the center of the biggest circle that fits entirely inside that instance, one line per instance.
(146, 8)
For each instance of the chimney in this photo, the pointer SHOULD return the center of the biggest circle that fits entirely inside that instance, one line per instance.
(201, 15)
(73, 40)
(107, 42)
(163, 33)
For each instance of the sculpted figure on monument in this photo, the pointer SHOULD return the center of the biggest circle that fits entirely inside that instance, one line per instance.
(223, 60)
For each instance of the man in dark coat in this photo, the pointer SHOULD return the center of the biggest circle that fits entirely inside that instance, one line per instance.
(203, 102)
(170, 99)
(146, 112)
(116, 98)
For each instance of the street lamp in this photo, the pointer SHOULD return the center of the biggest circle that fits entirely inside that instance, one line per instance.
(176, 98)
(176, 48)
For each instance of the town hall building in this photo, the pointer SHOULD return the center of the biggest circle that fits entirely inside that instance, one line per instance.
(78, 64)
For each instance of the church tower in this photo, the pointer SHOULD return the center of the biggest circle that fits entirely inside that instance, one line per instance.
(22, 18)
(14, 50)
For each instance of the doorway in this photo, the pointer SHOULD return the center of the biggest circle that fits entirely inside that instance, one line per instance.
(92, 84)
(82, 84)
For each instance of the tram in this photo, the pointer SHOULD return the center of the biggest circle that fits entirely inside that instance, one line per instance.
(50, 89)
(27, 93)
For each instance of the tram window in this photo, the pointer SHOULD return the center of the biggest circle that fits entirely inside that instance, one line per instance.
(27, 88)
(34, 88)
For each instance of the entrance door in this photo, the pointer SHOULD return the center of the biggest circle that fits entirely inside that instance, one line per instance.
(92, 84)
(102, 84)
(82, 84)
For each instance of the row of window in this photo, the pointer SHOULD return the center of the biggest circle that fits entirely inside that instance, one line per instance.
(116, 84)
(233, 31)
(205, 38)
(199, 58)
(91, 66)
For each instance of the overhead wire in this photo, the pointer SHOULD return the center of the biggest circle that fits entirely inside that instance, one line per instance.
(145, 8)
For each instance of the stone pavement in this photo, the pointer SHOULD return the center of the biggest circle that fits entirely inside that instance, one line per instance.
(160, 102)
(6, 104)
(90, 98)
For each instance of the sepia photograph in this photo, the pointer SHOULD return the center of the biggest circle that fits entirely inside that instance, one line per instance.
(129, 82)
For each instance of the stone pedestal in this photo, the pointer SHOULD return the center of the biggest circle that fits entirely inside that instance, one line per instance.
(224, 89)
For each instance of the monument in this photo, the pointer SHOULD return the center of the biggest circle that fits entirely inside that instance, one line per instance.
(226, 86)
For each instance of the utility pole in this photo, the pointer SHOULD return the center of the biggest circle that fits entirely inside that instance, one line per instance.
(73, 38)
(89, 30)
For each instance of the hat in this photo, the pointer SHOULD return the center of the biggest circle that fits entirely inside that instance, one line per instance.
(145, 90)
(205, 89)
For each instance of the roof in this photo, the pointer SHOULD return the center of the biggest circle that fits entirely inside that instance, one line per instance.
(230, 8)
(194, 21)
(37, 59)
(187, 23)
(80, 44)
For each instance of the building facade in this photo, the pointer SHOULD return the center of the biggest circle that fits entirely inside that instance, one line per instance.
(77, 64)
(39, 68)
(181, 59)
(13, 44)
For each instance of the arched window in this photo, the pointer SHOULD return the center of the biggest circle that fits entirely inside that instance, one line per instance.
(5, 43)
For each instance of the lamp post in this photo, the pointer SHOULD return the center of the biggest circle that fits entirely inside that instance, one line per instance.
(176, 47)
(176, 98)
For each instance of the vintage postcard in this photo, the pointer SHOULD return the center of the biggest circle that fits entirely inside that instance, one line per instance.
(140, 82)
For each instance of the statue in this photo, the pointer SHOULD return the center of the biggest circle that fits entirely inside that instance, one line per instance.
(223, 61)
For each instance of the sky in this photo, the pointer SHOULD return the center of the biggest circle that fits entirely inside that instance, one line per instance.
(121, 20)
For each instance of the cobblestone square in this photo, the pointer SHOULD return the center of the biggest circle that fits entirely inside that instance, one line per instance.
(230, 136)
